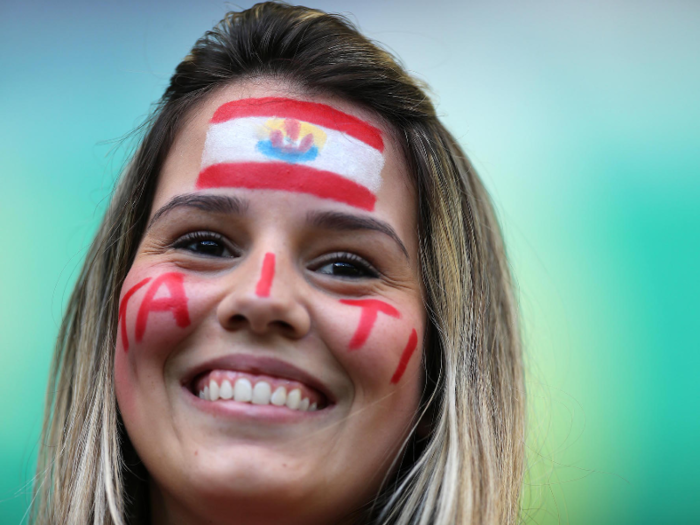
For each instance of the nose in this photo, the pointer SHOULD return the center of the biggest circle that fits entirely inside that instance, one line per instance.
(263, 297)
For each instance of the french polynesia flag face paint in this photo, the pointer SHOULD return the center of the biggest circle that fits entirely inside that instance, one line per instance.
(290, 145)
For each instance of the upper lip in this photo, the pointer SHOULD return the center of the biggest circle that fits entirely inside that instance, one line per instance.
(261, 365)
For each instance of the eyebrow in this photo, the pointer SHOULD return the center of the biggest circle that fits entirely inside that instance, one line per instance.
(210, 203)
(346, 221)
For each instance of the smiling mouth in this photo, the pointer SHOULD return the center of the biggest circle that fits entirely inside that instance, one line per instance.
(223, 386)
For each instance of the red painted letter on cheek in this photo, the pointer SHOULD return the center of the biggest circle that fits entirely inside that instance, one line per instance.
(266, 275)
(370, 310)
(405, 356)
(176, 303)
(122, 310)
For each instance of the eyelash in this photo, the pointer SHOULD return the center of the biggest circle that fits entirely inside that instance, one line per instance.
(350, 258)
(184, 243)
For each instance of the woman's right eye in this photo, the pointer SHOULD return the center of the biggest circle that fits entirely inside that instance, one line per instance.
(209, 244)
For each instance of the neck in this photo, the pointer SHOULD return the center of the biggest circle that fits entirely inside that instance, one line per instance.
(169, 510)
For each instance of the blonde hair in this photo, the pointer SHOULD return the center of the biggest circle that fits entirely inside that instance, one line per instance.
(468, 469)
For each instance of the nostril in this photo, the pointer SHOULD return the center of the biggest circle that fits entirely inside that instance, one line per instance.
(237, 321)
(283, 325)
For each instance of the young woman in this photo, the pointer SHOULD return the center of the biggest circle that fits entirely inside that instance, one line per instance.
(297, 308)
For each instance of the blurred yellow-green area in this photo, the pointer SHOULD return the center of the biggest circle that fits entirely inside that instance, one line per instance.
(583, 119)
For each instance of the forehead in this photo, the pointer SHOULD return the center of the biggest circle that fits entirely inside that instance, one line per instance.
(226, 138)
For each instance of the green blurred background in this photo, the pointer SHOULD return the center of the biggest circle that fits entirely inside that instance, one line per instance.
(583, 118)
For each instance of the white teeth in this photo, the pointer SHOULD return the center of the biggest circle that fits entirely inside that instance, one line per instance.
(243, 391)
(293, 399)
(279, 397)
(226, 390)
(213, 390)
(261, 393)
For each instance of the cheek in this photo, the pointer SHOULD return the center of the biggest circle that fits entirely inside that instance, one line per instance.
(379, 344)
(390, 358)
(156, 313)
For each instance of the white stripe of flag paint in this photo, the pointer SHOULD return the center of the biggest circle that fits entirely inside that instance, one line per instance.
(291, 145)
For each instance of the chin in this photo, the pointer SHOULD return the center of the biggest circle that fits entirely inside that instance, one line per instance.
(253, 480)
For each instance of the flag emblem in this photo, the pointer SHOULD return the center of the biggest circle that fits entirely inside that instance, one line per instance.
(291, 140)
(292, 145)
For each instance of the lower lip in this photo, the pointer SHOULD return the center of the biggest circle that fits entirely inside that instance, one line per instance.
(248, 411)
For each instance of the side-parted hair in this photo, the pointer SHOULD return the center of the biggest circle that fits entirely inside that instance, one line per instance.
(467, 467)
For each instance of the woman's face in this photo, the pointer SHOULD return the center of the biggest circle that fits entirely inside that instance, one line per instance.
(271, 327)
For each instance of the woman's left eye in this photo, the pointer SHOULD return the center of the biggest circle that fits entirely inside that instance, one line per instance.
(345, 265)
(209, 244)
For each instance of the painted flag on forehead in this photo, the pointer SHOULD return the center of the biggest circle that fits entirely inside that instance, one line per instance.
(291, 145)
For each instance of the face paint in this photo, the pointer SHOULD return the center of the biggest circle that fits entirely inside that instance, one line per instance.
(405, 356)
(290, 145)
(266, 275)
(176, 303)
(122, 310)
(370, 310)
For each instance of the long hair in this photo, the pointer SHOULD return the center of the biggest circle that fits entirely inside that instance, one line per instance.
(467, 466)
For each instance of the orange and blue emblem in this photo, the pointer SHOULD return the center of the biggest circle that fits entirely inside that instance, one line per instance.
(291, 140)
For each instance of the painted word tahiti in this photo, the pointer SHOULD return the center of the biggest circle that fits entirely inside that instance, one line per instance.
(291, 145)
(175, 302)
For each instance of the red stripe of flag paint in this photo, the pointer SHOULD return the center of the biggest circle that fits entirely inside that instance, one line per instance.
(319, 114)
(405, 356)
(287, 177)
(266, 275)
(122, 310)
(296, 146)
(370, 310)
